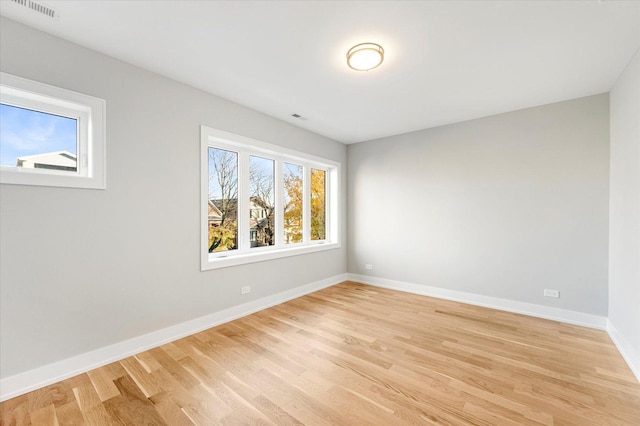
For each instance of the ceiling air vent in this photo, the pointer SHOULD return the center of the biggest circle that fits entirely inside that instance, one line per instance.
(37, 7)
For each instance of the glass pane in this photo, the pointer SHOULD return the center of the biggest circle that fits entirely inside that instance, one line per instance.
(292, 203)
(34, 139)
(261, 201)
(223, 200)
(318, 204)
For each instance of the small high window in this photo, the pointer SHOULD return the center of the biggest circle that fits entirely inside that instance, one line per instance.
(50, 136)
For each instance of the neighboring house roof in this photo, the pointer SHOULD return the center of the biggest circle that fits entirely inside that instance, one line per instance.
(214, 210)
(232, 203)
(258, 202)
(55, 159)
(216, 207)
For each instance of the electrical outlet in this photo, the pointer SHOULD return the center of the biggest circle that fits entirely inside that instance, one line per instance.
(246, 289)
(368, 266)
(551, 293)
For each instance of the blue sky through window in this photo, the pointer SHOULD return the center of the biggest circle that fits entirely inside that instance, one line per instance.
(261, 178)
(26, 132)
(227, 167)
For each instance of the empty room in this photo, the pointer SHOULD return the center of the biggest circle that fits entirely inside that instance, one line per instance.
(319, 212)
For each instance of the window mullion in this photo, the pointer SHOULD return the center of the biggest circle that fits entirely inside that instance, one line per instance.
(279, 203)
(327, 205)
(306, 205)
(332, 211)
(85, 168)
(244, 222)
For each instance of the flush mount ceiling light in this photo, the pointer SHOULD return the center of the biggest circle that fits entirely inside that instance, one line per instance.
(365, 56)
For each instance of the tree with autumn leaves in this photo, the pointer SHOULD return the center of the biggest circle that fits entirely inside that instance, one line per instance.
(318, 204)
(293, 204)
(294, 201)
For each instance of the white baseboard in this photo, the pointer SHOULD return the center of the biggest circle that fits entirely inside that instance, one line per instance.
(628, 352)
(22, 383)
(540, 311)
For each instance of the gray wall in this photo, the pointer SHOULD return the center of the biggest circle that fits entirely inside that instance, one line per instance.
(81, 269)
(503, 206)
(624, 225)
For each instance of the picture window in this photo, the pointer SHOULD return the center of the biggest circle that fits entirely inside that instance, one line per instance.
(262, 201)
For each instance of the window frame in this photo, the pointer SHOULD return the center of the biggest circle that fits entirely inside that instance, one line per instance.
(89, 112)
(245, 147)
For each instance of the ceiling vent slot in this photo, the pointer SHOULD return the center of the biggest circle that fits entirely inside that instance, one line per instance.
(37, 7)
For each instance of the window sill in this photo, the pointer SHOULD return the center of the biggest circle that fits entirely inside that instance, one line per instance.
(19, 176)
(216, 261)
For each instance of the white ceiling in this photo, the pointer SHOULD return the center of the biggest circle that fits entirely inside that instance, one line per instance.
(446, 61)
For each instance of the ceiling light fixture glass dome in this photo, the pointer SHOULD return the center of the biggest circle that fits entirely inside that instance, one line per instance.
(365, 56)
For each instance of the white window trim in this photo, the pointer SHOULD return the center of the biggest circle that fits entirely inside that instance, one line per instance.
(89, 112)
(210, 137)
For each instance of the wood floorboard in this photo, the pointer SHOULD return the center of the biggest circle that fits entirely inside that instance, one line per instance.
(353, 354)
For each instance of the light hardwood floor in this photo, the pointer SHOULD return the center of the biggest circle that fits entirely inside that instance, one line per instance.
(356, 355)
